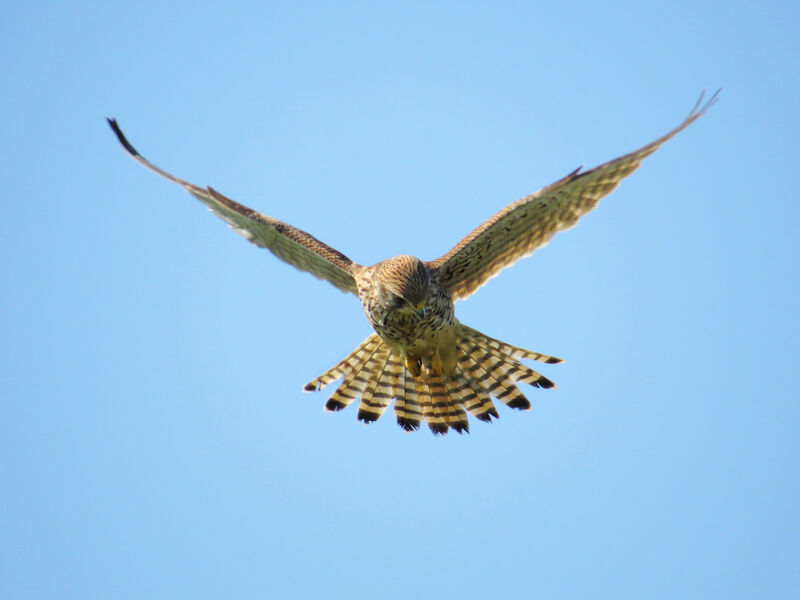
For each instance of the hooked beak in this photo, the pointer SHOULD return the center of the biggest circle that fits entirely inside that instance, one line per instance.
(419, 310)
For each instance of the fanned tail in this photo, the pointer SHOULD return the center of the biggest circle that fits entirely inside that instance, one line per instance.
(484, 368)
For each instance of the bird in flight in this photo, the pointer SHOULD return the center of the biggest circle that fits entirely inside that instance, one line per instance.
(420, 356)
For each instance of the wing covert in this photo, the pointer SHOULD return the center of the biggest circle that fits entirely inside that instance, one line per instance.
(529, 223)
(294, 246)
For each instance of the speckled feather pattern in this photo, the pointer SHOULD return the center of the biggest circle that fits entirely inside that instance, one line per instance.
(529, 223)
(433, 368)
(404, 276)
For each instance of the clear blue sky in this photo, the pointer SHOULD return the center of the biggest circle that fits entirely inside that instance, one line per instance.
(155, 442)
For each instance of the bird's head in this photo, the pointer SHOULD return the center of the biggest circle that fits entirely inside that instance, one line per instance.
(406, 281)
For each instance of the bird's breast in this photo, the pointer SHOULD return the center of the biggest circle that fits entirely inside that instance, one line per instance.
(407, 329)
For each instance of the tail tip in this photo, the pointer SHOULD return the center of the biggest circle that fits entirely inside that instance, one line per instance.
(408, 424)
(461, 428)
(438, 428)
(545, 383)
(486, 416)
(520, 404)
(366, 417)
(334, 405)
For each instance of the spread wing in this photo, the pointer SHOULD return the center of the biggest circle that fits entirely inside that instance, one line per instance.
(529, 223)
(294, 246)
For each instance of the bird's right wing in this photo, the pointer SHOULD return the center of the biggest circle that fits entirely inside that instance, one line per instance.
(294, 246)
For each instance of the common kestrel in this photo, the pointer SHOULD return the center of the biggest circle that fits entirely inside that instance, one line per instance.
(421, 356)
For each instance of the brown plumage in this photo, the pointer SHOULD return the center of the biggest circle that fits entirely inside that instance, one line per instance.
(434, 368)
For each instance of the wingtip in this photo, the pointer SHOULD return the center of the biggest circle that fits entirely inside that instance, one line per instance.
(112, 122)
(712, 100)
(700, 108)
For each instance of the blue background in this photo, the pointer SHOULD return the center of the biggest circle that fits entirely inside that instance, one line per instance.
(155, 442)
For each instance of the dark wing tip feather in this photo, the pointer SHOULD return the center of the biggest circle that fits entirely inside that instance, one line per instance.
(293, 246)
(121, 136)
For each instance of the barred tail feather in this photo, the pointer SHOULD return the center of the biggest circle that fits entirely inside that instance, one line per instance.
(485, 368)
(454, 397)
(479, 403)
(512, 351)
(488, 373)
(407, 409)
(352, 362)
(378, 391)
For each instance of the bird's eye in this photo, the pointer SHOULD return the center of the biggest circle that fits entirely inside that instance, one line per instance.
(397, 302)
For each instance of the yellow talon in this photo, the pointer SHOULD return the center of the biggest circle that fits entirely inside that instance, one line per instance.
(413, 364)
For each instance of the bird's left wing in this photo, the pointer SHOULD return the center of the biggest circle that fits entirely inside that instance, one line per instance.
(294, 246)
(529, 223)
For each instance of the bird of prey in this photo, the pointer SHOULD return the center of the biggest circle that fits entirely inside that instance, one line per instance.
(420, 356)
